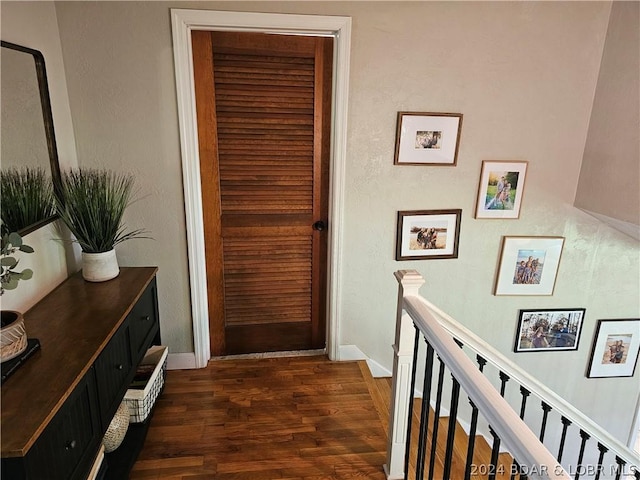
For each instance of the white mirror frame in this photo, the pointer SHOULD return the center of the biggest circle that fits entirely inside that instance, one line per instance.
(183, 22)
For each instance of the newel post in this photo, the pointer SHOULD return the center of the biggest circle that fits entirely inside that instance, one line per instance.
(409, 282)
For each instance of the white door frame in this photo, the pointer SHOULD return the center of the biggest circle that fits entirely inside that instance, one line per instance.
(183, 22)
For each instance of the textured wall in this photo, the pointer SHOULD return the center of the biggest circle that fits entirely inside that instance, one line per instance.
(611, 165)
(524, 76)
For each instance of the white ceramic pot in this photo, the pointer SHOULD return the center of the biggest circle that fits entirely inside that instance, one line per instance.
(13, 335)
(100, 267)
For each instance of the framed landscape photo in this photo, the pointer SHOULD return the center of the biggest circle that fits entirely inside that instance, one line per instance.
(501, 188)
(424, 138)
(428, 234)
(549, 330)
(615, 349)
(528, 265)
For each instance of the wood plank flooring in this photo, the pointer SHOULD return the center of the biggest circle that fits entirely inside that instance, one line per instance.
(302, 418)
(275, 418)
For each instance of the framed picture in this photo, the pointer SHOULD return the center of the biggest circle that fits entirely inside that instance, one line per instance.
(615, 349)
(549, 330)
(501, 189)
(528, 265)
(427, 138)
(428, 234)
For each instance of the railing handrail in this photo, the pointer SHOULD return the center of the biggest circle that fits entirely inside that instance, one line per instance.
(517, 436)
(556, 402)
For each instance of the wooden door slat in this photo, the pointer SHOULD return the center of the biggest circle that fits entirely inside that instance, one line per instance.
(283, 92)
(239, 60)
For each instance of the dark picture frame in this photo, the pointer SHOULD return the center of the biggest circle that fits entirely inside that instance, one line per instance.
(426, 138)
(615, 348)
(552, 329)
(428, 234)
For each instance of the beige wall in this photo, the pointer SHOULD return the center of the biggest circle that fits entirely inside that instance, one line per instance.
(610, 172)
(522, 73)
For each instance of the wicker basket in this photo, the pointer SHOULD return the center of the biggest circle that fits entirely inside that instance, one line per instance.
(117, 429)
(13, 336)
(141, 401)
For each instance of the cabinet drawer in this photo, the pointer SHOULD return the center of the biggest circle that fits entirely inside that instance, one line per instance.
(143, 322)
(114, 369)
(66, 448)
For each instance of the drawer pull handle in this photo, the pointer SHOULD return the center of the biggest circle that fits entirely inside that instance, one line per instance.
(119, 366)
(71, 445)
(146, 318)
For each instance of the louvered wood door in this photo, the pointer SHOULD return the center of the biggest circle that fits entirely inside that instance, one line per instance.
(263, 110)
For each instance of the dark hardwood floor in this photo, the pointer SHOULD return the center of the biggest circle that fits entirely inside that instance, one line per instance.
(275, 418)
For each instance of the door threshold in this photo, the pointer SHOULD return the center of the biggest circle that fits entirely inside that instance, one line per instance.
(292, 353)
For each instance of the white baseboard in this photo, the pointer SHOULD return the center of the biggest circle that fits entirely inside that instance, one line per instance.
(181, 361)
(377, 370)
(348, 353)
(352, 353)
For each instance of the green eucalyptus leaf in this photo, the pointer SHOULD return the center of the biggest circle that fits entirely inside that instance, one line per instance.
(12, 284)
(26, 274)
(10, 278)
(9, 262)
(15, 239)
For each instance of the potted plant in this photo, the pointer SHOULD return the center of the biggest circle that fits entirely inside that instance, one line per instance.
(27, 197)
(91, 203)
(13, 335)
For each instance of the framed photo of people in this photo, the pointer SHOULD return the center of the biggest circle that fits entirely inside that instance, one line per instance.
(428, 234)
(616, 345)
(549, 330)
(528, 265)
(501, 189)
(424, 138)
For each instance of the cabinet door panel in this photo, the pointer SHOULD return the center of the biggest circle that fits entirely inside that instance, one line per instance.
(143, 321)
(114, 369)
(63, 451)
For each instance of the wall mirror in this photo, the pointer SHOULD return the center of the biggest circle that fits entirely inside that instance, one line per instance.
(27, 136)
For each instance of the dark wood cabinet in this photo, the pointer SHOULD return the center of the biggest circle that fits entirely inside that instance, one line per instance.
(143, 322)
(68, 444)
(56, 408)
(113, 371)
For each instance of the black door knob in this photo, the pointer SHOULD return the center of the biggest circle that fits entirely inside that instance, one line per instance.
(319, 225)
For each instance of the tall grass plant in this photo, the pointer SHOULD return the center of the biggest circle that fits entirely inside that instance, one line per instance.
(91, 203)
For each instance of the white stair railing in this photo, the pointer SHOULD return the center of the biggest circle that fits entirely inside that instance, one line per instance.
(558, 404)
(416, 315)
